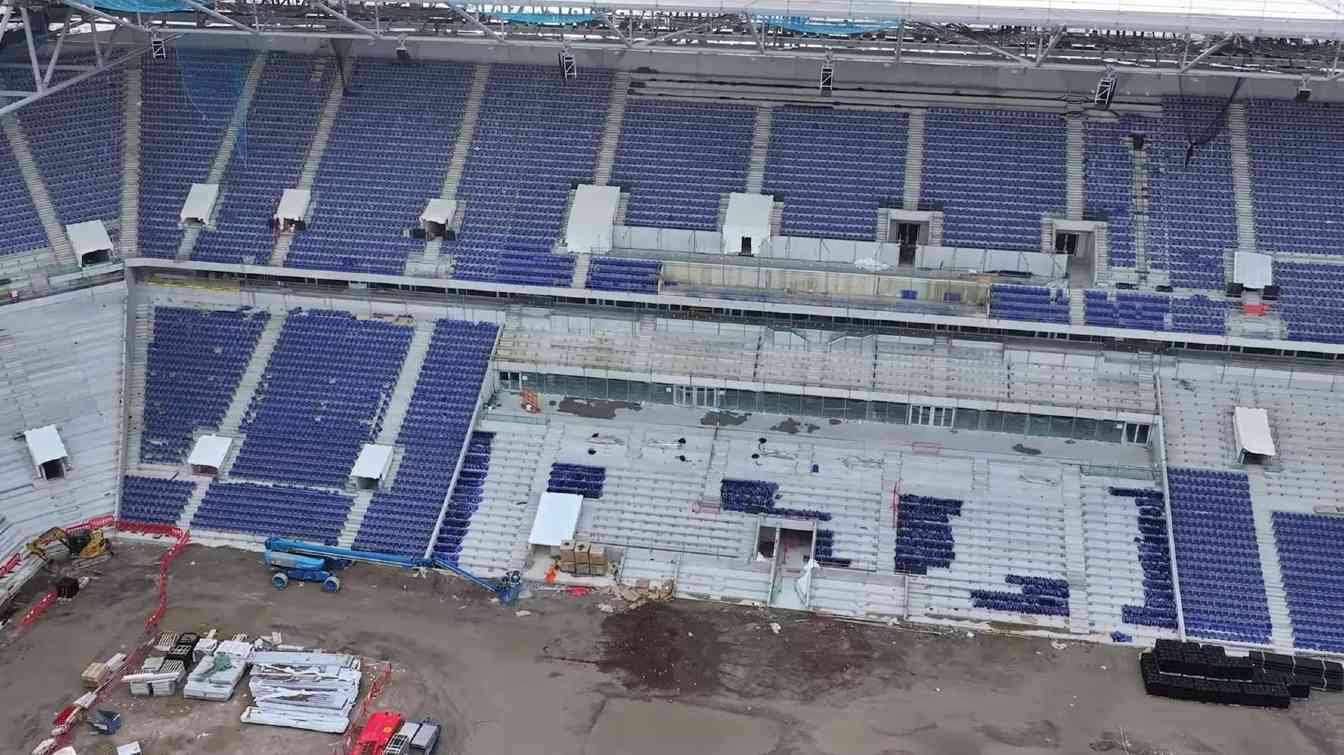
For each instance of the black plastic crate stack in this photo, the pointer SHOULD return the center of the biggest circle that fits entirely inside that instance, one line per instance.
(1300, 674)
(1205, 673)
(181, 650)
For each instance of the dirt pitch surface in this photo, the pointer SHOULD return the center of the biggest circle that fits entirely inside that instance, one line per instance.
(674, 678)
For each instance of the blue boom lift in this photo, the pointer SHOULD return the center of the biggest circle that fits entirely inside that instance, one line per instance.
(309, 562)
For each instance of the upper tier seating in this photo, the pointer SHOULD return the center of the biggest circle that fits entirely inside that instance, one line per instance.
(154, 500)
(280, 125)
(324, 392)
(1312, 581)
(273, 511)
(468, 495)
(189, 100)
(834, 168)
(1297, 172)
(537, 137)
(1127, 310)
(1217, 558)
(388, 155)
(20, 227)
(1193, 220)
(617, 274)
(1013, 302)
(1309, 300)
(194, 364)
(1108, 181)
(924, 533)
(401, 519)
(77, 137)
(679, 159)
(994, 173)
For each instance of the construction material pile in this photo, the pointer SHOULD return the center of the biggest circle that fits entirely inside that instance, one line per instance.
(218, 672)
(301, 690)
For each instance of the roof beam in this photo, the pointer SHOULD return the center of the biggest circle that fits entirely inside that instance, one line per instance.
(353, 24)
(55, 55)
(1044, 52)
(212, 13)
(968, 37)
(1211, 49)
(475, 22)
(119, 21)
(73, 80)
(605, 18)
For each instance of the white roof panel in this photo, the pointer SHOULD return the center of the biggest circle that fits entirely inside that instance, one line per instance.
(439, 211)
(1252, 429)
(200, 202)
(90, 236)
(293, 204)
(557, 517)
(1253, 270)
(373, 462)
(45, 445)
(210, 451)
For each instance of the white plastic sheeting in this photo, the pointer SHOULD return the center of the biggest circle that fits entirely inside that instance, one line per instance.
(44, 444)
(1252, 431)
(748, 217)
(200, 203)
(592, 219)
(210, 451)
(557, 517)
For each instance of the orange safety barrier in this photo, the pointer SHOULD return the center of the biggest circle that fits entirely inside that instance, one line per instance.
(531, 402)
(182, 537)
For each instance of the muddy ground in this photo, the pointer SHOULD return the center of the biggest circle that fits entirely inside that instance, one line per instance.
(672, 678)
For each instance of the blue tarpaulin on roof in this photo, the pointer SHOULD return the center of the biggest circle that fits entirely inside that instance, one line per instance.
(805, 25)
(143, 6)
(544, 19)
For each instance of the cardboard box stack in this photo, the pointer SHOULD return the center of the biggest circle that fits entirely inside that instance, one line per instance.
(582, 558)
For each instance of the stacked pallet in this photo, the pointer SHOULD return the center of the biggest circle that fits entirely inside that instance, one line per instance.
(582, 558)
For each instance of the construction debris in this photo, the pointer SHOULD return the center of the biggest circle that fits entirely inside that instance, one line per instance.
(217, 675)
(303, 690)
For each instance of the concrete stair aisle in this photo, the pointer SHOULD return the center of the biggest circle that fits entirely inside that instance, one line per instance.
(581, 263)
(466, 133)
(326, 121)
(777, 219)
(914, 159)
(193, 505)
(247, 384)
(622, 205)
(1077, 308)
(135, 402)
(611, 128)
(37, 190)
(1101, 256)
(723, 209)
(1241, 177)
(400, 400)
(760, 148)
(128, 236)
(1075, 550)
(936, 229)
(1140, 199)
(1074, 198)
(1281, 626)
(355, 519)
(220, 164)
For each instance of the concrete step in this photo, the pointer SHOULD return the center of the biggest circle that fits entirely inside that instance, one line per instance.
(355, 519)
(466, 131)
(581, 263)
(326, 121)
(611, 128)
(1076, 147)
(128, 235)
(400, 400)
(1242, 189)
(914, 159)
(247, 384)
(193, 505)
(760, 147)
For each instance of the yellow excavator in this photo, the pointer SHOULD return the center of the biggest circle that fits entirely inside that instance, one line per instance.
(56, 546)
